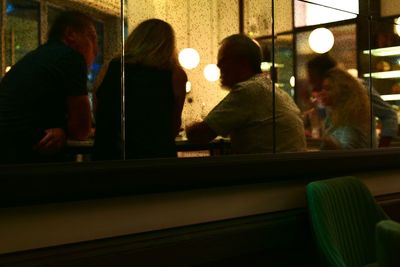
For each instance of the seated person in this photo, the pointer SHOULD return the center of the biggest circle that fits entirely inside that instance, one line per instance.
(320, 64)
(246, 113)
(348, 122)
(154, 97)
(44, 98)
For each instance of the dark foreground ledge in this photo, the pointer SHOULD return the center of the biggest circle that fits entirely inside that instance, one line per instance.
(47, 183)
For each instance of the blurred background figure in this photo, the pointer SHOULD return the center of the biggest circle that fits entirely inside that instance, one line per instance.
(154, 97)
(245, 114)
(347, 125)
(44, 98)
(317, 68)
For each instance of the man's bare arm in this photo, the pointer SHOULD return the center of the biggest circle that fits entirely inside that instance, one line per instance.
(200, 133)
(79, 117)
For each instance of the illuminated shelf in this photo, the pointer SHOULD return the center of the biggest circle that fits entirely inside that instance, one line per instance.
(384, 74)
(266, 66)
(384, 52)
(391, 97)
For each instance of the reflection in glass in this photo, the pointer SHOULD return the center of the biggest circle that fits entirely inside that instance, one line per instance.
(347, 125)
(344, 52)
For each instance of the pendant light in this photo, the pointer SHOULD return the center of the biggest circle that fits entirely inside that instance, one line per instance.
(321, 40)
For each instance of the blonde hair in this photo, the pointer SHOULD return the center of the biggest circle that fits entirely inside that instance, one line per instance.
(152, 43)
(350, 101)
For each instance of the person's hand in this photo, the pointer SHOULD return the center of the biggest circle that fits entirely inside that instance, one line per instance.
(200, 133)
(53, 141)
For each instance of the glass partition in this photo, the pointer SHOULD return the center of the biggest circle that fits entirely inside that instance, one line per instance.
(198, 26)
(37, 95)
(344, 52)
(290, 34)
(332, 105)
(383, 75)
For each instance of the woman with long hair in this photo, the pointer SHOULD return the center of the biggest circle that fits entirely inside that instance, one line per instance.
(154, 97)
(348, 124)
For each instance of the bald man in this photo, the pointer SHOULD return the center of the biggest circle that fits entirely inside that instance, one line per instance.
(245, 114)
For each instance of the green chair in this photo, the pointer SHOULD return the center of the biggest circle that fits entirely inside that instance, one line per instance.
(388, 243)
(343, 216)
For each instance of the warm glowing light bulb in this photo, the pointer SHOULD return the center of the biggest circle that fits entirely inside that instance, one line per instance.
(211, 72)
(8, 68)
(189, 58)
(188, 87)
(321, 40)
(292, 81)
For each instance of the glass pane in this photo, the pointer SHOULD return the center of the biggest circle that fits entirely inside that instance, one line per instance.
(46, 115)
(384, 77)
(200, 25)
(289, 129)
(106, 78)
(329, 87)
(284, 118)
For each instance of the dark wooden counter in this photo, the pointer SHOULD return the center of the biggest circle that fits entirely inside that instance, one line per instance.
(44, 183)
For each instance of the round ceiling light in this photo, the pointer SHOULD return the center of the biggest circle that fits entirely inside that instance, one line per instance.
(189, 58)
(211, 72)
(321, 40)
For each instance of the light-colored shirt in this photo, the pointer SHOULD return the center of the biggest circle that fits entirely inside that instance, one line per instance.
(346, 137)
(383, 111)
(246, 115)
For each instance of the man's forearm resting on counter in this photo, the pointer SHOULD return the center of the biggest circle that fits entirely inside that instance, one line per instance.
(200, 133)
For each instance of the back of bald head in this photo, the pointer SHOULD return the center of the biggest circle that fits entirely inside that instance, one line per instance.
(241, 47)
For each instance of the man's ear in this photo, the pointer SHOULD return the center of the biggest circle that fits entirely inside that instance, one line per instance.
(70, 36)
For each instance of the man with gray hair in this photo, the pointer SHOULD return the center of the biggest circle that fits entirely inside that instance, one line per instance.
(246, 113)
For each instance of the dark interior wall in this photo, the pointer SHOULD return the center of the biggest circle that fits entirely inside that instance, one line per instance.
(279, 238)
(274, 239)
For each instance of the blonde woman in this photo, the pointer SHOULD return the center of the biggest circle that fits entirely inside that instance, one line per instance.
(348, 123)
(154, 96)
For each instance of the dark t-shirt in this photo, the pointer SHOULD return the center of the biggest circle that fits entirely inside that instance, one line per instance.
(33, 95)
(149, 113)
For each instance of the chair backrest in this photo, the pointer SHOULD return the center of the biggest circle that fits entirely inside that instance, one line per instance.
(388, 243)
(343, 215)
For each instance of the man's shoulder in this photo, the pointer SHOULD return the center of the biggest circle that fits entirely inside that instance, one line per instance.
(57, 51)
(257, 81)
